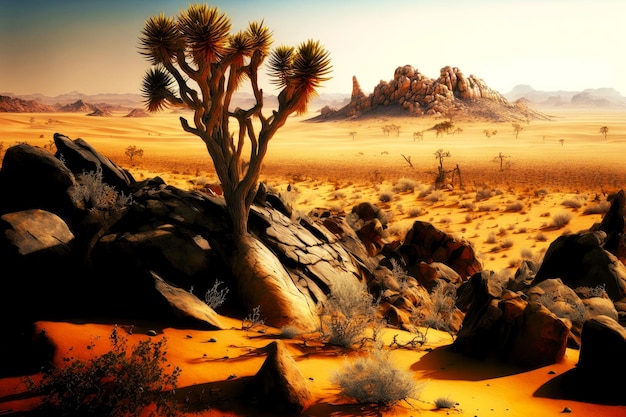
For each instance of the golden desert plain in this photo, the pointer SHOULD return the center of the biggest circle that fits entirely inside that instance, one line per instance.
(518, 193)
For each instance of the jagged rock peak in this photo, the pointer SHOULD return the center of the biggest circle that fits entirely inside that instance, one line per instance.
(451, 94)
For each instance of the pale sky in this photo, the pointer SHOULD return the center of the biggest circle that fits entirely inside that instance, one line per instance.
(91, 46)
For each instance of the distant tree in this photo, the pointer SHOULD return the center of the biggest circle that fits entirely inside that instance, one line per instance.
(457, 130)
(418, 135)
(443, 127)
(487, 133)
(562, 141)
(132, 151)
(517, 128)
(353, 134)
(391, 128)
(440, 154)
(199, 64)
(501, 157)
(605, 131)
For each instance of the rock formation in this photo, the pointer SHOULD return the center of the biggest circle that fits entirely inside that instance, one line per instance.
(453, 94)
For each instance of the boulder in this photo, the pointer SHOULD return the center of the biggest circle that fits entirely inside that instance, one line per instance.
(579, 260)
(279, 385)
(425, 243)
(32, 177)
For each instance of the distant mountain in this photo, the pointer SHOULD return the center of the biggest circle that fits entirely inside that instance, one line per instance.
(599, 97)
(19, 105)
(77, 102)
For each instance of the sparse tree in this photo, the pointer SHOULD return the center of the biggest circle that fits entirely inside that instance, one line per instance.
(487, 133)
(605, 131)
(199, 64)
(440, 154)
(132, 151)
(501, 157)
(353, 134)
(517, 128)
(418, 136)
(457, 130)
(443, 127)
(562, 141)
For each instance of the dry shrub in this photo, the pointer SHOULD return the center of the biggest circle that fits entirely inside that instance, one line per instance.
(561, 219)
(374, 379)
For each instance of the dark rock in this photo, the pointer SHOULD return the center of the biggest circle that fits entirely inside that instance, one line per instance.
(279, 385)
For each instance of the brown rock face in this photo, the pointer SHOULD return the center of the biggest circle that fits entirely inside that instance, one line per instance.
(426, 243)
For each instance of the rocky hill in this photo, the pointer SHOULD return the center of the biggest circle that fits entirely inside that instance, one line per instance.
(411, 93)
(18, 105)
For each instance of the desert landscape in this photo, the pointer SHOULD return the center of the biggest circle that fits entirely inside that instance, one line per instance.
(518, 194)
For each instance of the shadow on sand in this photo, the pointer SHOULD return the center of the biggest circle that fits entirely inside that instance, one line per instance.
(578, 386)
(443, 363)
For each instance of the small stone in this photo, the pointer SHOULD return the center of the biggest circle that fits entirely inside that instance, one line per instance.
(151, 333)
(212, 340)
(566, 410)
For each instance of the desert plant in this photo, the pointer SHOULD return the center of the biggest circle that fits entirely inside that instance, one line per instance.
(444, 402)
(348, 313)
(418, 136)
(121, 382)
(132, 151)
(437, 316)
(353, 134)
(197, 63)
(94, 194)
(216, 296)
(253, 319)
(501, 157)
(605, 131)
(561, 219)
(517, 128)
(374, 379)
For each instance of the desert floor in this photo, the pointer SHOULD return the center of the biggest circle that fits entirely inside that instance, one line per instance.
(554, 179)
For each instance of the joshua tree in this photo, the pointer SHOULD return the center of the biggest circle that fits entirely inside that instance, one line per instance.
(197, 63)
(517, 128)
(605, 131)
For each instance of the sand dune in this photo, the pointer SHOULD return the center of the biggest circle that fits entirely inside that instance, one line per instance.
(507, 215)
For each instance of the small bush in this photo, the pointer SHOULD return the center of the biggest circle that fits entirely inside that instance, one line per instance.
(348, 312)
(444, 402)
(118, 383)
(600, 208)
(559, 220)
(374, 379)
(515, 206)
(97, 195)
(215, 296)
(405, 185)
(253, 319)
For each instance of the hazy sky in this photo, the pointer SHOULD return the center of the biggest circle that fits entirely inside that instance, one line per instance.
(91, 46)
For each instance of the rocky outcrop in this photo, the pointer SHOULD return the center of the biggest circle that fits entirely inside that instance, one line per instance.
(451, 94)
(426, 243)
(503, 324)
